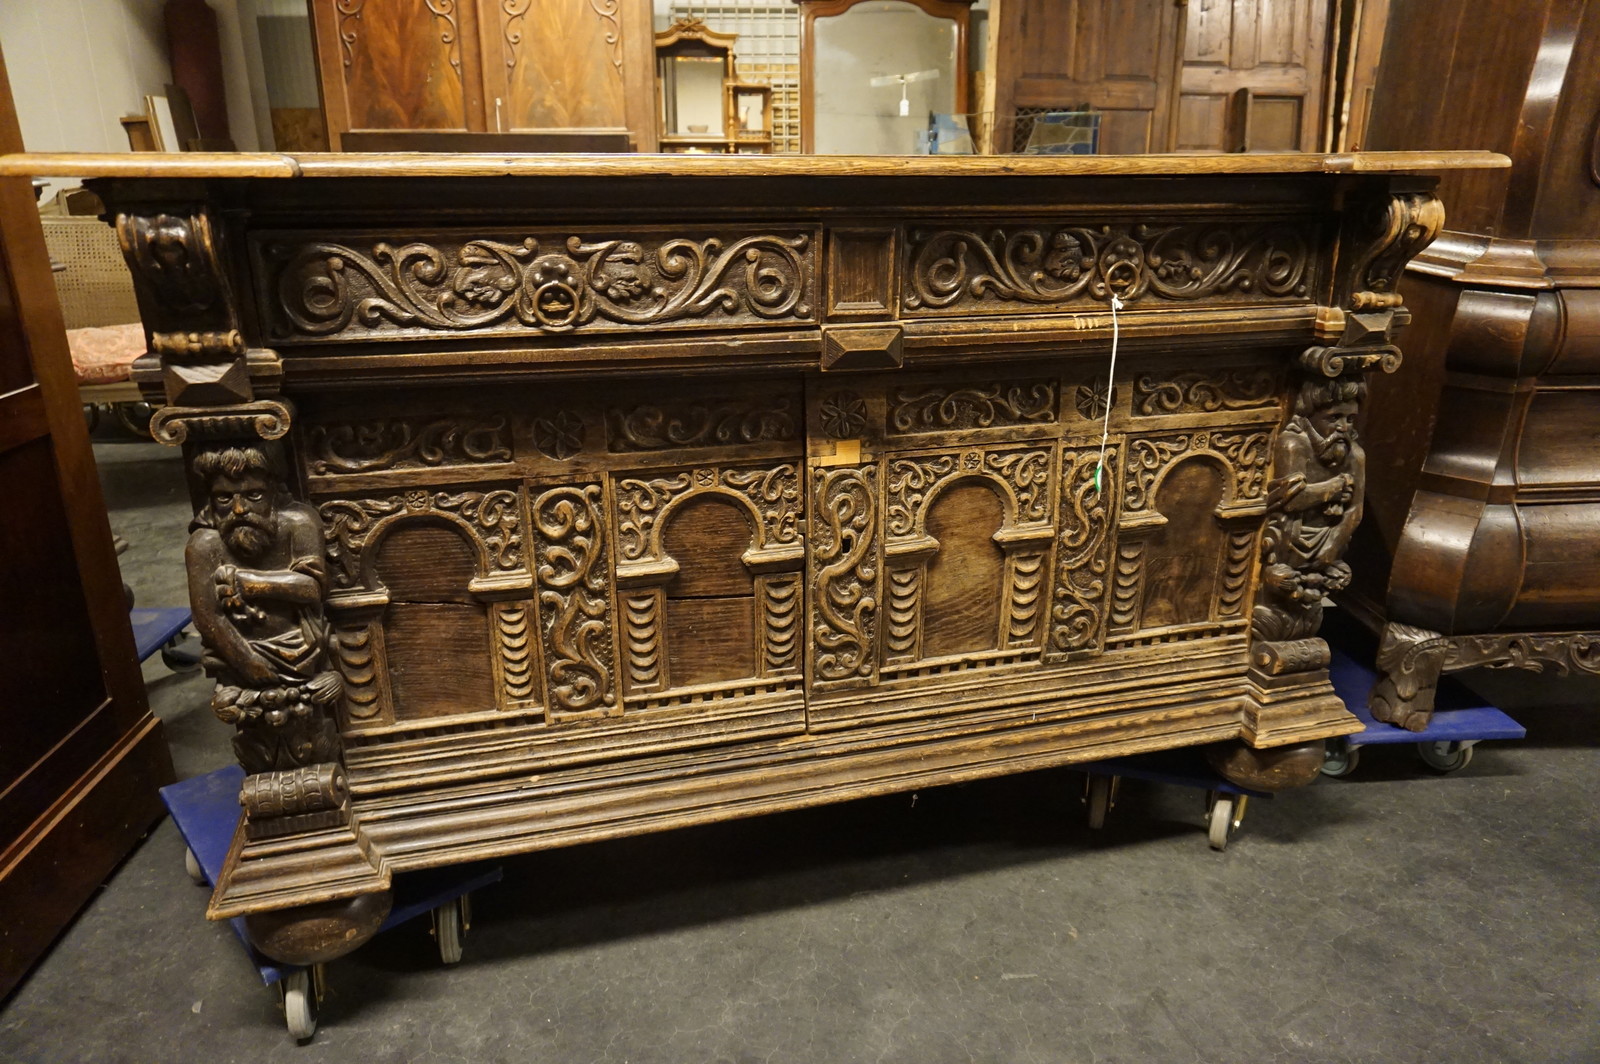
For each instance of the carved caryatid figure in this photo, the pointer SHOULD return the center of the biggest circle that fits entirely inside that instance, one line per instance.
(1314, 505)
(257, 575)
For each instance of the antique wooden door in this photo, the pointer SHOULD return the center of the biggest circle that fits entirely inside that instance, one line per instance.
(1118, 57)
(1253, 75)
(81, 756)
(398, 64)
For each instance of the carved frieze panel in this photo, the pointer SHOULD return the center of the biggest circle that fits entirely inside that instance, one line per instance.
(1205, 392)
(945, 407)
(352, 287)
(665, 426)
(844, 576)
(960, 270)
(574, 588)
(1245, 454)
(377, 444)
(1083, 548)
(489, 518)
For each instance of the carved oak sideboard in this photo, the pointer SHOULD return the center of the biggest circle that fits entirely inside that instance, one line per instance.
(545, 500)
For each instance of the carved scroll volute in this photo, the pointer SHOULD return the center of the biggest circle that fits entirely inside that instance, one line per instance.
(188, 306)
(258, 575)
(845, 547)
(1382, 239)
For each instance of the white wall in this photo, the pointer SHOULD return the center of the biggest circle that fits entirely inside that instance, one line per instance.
(77, 66)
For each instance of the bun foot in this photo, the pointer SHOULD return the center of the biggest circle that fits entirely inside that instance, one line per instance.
(315, 934)
(1276, 768)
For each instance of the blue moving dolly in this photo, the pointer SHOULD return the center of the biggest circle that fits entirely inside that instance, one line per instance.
(1225, 801)
(206, 811)
(1460, 719)
(162, 630)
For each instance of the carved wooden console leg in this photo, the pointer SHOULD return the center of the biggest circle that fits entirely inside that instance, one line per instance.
(314, 934)
(1275, 769)
(1410, 660)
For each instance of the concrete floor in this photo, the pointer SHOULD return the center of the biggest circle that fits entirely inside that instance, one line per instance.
(1393, 916)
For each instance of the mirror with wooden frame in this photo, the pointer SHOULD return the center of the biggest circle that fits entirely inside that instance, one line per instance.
(872, 72)
(694, 73)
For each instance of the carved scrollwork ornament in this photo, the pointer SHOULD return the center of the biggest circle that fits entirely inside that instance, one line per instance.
(328, 289)
(1392, 234)
(1033, 265)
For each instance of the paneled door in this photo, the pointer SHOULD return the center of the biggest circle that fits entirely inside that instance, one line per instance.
(1253, 75)
(1117, 57)
(81, 756)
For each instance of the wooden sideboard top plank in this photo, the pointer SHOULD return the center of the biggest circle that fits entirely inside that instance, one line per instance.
(419, 164)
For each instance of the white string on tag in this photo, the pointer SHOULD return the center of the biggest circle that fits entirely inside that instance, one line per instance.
(1111, 376)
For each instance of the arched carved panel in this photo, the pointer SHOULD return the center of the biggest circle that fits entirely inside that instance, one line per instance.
(965, 583)
(438, 649)
(1183, 557)
(710, 604)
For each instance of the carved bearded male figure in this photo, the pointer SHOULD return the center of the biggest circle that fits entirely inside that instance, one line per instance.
(1314, 504)
(257, 574)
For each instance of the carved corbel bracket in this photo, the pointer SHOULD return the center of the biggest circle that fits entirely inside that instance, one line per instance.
(187, 303)
(1411, 660)
(1386, 237)
(265, 419)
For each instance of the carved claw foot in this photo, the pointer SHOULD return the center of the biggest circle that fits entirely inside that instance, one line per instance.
(314, 934)
(1276, 768)
(1410, 660)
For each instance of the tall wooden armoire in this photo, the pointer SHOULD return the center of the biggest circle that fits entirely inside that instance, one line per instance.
(1483, 541)
(81, 756)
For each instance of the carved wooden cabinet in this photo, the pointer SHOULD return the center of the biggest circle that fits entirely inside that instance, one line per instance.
(549, 500)
(1485, 544)
(556, 67)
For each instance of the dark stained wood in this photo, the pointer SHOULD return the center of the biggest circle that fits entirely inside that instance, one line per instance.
(1487, 502)
(713, 571)
(82, 757)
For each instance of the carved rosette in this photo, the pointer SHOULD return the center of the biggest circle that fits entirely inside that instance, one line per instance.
(1079, 608)
(960, 270)
(845, 568)
(574, 588)
(331, 290)
(771, 497)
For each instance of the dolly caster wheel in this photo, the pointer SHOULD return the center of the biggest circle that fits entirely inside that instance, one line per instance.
(1224, 814)
(1341, 759)
(1445, 756)
(451, 922)
(191, 864)
(1101, 795)
(300, 990)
